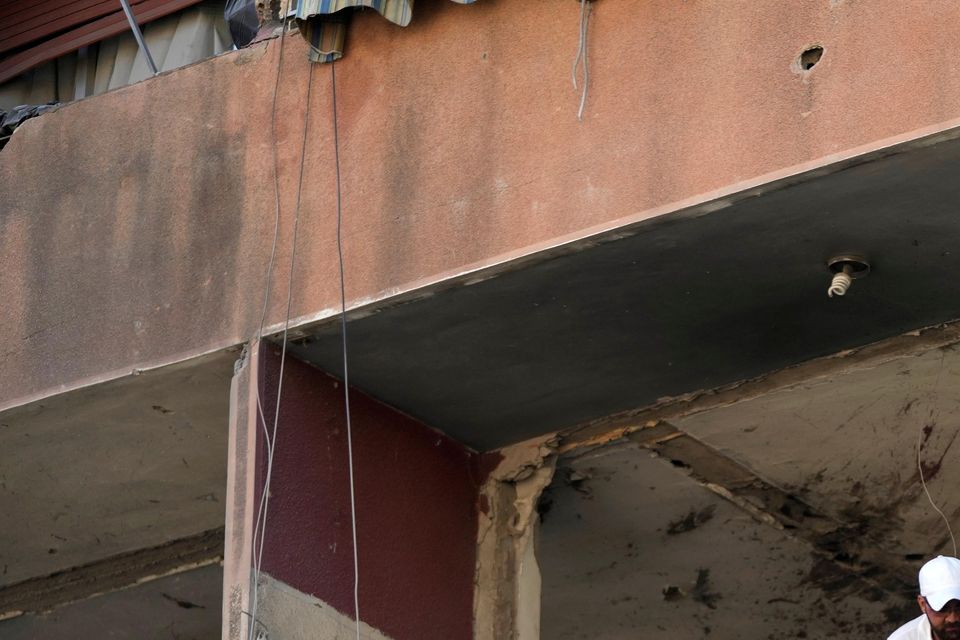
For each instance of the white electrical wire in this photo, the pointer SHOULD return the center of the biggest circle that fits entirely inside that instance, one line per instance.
(923, 482)
(581, 56)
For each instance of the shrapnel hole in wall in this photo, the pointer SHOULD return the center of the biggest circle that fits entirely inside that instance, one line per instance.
(810, 57)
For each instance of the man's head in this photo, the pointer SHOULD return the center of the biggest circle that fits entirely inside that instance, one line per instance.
(939, 597)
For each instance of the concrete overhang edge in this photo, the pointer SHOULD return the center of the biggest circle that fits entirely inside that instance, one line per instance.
(692, 207)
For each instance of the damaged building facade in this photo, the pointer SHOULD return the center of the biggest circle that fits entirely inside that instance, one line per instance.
(597, 386)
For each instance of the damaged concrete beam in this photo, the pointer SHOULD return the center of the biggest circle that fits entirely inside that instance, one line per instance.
(507, 581)
(849, 555)
(111, 574)
(616, 426)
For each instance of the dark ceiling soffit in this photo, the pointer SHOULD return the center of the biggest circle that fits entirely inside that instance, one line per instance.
(90, 33)
(303, 331)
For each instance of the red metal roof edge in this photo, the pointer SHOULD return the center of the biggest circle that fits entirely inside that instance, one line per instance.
(38, 7)
(90, 33)
(42, 26)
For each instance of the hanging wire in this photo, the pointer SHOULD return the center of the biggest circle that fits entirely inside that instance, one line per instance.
(923, 481)
(930, 498)
(263, 311)
(346, 371)
(261, 521)
(581, 60)
(276, 234)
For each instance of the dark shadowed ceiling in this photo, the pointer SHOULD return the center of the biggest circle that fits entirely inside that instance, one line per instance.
(681, 303)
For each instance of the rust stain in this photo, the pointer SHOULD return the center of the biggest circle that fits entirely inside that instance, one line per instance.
(931, 469)
(905, 409)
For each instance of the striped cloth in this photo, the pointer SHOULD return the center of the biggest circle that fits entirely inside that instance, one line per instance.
(324, 22)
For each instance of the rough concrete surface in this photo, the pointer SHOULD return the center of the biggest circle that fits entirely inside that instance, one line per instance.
(810, 491)
(185, 606)
(848, 445)
(288, 614)
(632, 547)
(459, 148)
(240, 491)
(118, 572)
(115, 468)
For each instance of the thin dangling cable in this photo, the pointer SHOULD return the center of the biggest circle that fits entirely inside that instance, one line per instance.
(346, 370)
(272, 439)
(581, 59)
(933, 504)
(923, 481)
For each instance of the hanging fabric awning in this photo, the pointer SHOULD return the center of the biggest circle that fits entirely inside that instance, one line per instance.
(324, 22)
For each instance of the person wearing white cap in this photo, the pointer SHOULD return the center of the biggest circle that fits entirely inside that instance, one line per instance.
(939, 601)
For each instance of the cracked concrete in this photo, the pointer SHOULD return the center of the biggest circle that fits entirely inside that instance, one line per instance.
(507, 584)
(822, 459)
(615, 566)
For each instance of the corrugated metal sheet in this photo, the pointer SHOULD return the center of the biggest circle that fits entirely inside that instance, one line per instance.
(323, 23)
(397, 11)
(37, 32)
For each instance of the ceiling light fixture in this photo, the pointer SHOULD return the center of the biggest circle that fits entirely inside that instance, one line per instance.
(845, 270)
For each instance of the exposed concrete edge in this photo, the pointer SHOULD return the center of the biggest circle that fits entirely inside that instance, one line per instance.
(507, 577)
(240, 514)
(907, 345)
(473, 273)
(184, 358)
(115, 573)
(289, 614)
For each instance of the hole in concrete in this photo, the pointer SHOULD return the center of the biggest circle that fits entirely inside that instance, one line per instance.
(672, 593)
(544, 504)
(810, 57)
(914, 556)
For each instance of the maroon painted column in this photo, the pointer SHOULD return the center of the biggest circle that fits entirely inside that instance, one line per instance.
(416, 496)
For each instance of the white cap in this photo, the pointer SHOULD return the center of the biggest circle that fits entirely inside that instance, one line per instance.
(940, 581)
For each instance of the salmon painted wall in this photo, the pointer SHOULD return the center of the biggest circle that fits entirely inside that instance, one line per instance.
(416, 495)
(148, 212)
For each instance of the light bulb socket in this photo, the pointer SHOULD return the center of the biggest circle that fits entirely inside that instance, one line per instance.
(858, 265)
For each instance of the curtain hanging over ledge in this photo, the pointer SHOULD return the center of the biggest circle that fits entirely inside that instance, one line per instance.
(324, 22)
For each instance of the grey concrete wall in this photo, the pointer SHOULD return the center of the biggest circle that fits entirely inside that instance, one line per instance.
(185, 606)
(128, 465)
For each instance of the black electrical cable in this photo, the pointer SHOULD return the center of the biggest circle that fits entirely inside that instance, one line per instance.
(343, 337)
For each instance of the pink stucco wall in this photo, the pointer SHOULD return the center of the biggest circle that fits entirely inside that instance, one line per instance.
(135, 226)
